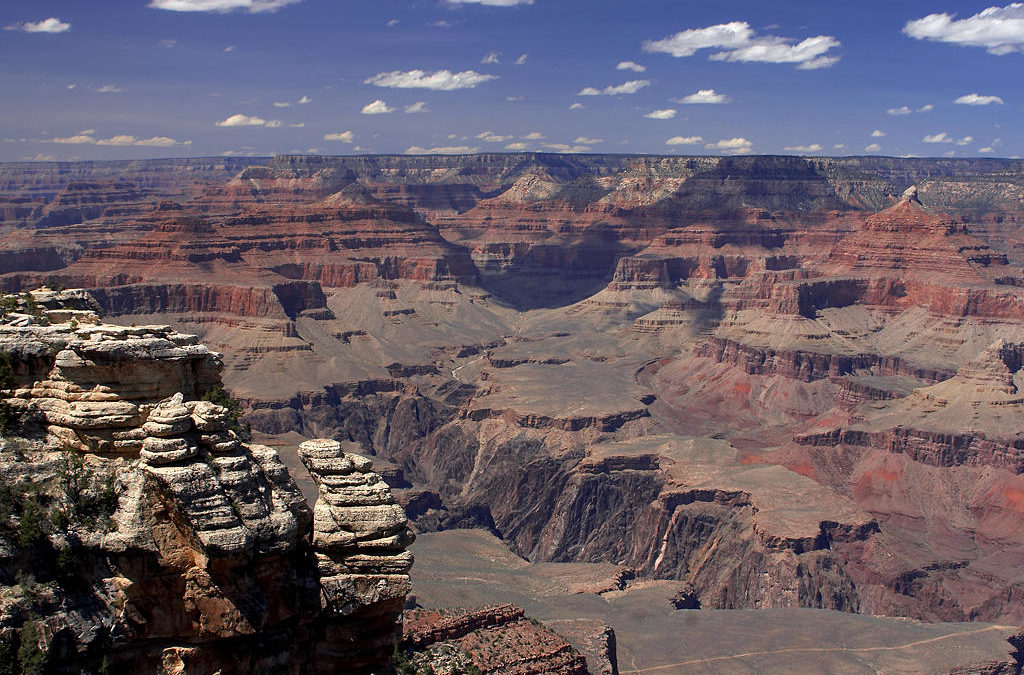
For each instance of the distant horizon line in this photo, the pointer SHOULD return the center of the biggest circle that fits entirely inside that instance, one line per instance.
(504, 154)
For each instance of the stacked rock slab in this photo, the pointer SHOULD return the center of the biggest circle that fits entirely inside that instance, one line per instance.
(360, 535)
(94, 384)
(210, 561)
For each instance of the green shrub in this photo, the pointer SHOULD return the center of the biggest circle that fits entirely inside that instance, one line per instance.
(31, 657)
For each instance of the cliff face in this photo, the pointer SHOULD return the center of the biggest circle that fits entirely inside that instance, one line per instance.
(141, 532)
(650, 361)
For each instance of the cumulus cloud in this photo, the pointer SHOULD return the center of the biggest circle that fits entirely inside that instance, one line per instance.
(442, 80)
(1000, 30)
(517, 146)
(631, 87)
(88, 137)
(304, 100)
(986, 149)
(522, 59)
(343, 136)
(630, 65)
(739, 42)
(966, 140)
(377, 107)
(736, 146)
(874, 147)
(941, 137)
(253, 6)
(813, 147)
(877, 133)
(907, 110)
(282, 104)
(492, 3)
(703, 96)
(109, 89)
(583, 140)
(443, 150)
(247, 121)
(565, 147)
(491, 57)
(666, 114)
(577, 106)
(685, 140)
(978, 99)
(417, 107)
(534, 136)
(491, 137)
(51, 25)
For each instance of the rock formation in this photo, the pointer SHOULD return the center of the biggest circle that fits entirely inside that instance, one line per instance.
(162, 541)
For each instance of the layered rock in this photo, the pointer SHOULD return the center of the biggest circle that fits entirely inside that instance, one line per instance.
(195, 551)
(360, 534)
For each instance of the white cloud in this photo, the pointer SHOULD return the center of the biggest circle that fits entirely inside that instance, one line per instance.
(343, 136)
(731, 145)
(229, 48)
(534, 136)
(986, 149)
(740, 43)
(443, 150)
(522, 59)
(392, 23)
(577, 106)
(874, 147)
(297, 125)
(87, 137)
(109, 89)
(877, 133)
(253, 6)
(685, 140)
(491, 137)
(941, 137)
(245, 121)
(168, 43)
(51, 25)
(564, 147)
(703, 96)
(442, 80)
(813, 147)
(282, 104)
(1000, 30)
(630, 65)
(377, 107)
(493, 3)
(417, 107)
(927, 107)
(491, 57)
(517, 146)
(978, 99)
(631, 87)
(583, 140)
(966, 140)
(902, 110)
(304, 100)
(273, 124)
(839, 146)
(661, 114)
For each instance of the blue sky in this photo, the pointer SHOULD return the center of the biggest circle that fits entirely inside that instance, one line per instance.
(166, 78)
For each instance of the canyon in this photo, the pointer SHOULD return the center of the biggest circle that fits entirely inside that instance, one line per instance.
(777, 383)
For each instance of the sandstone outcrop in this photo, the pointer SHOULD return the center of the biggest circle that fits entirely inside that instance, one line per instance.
(171, 544)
